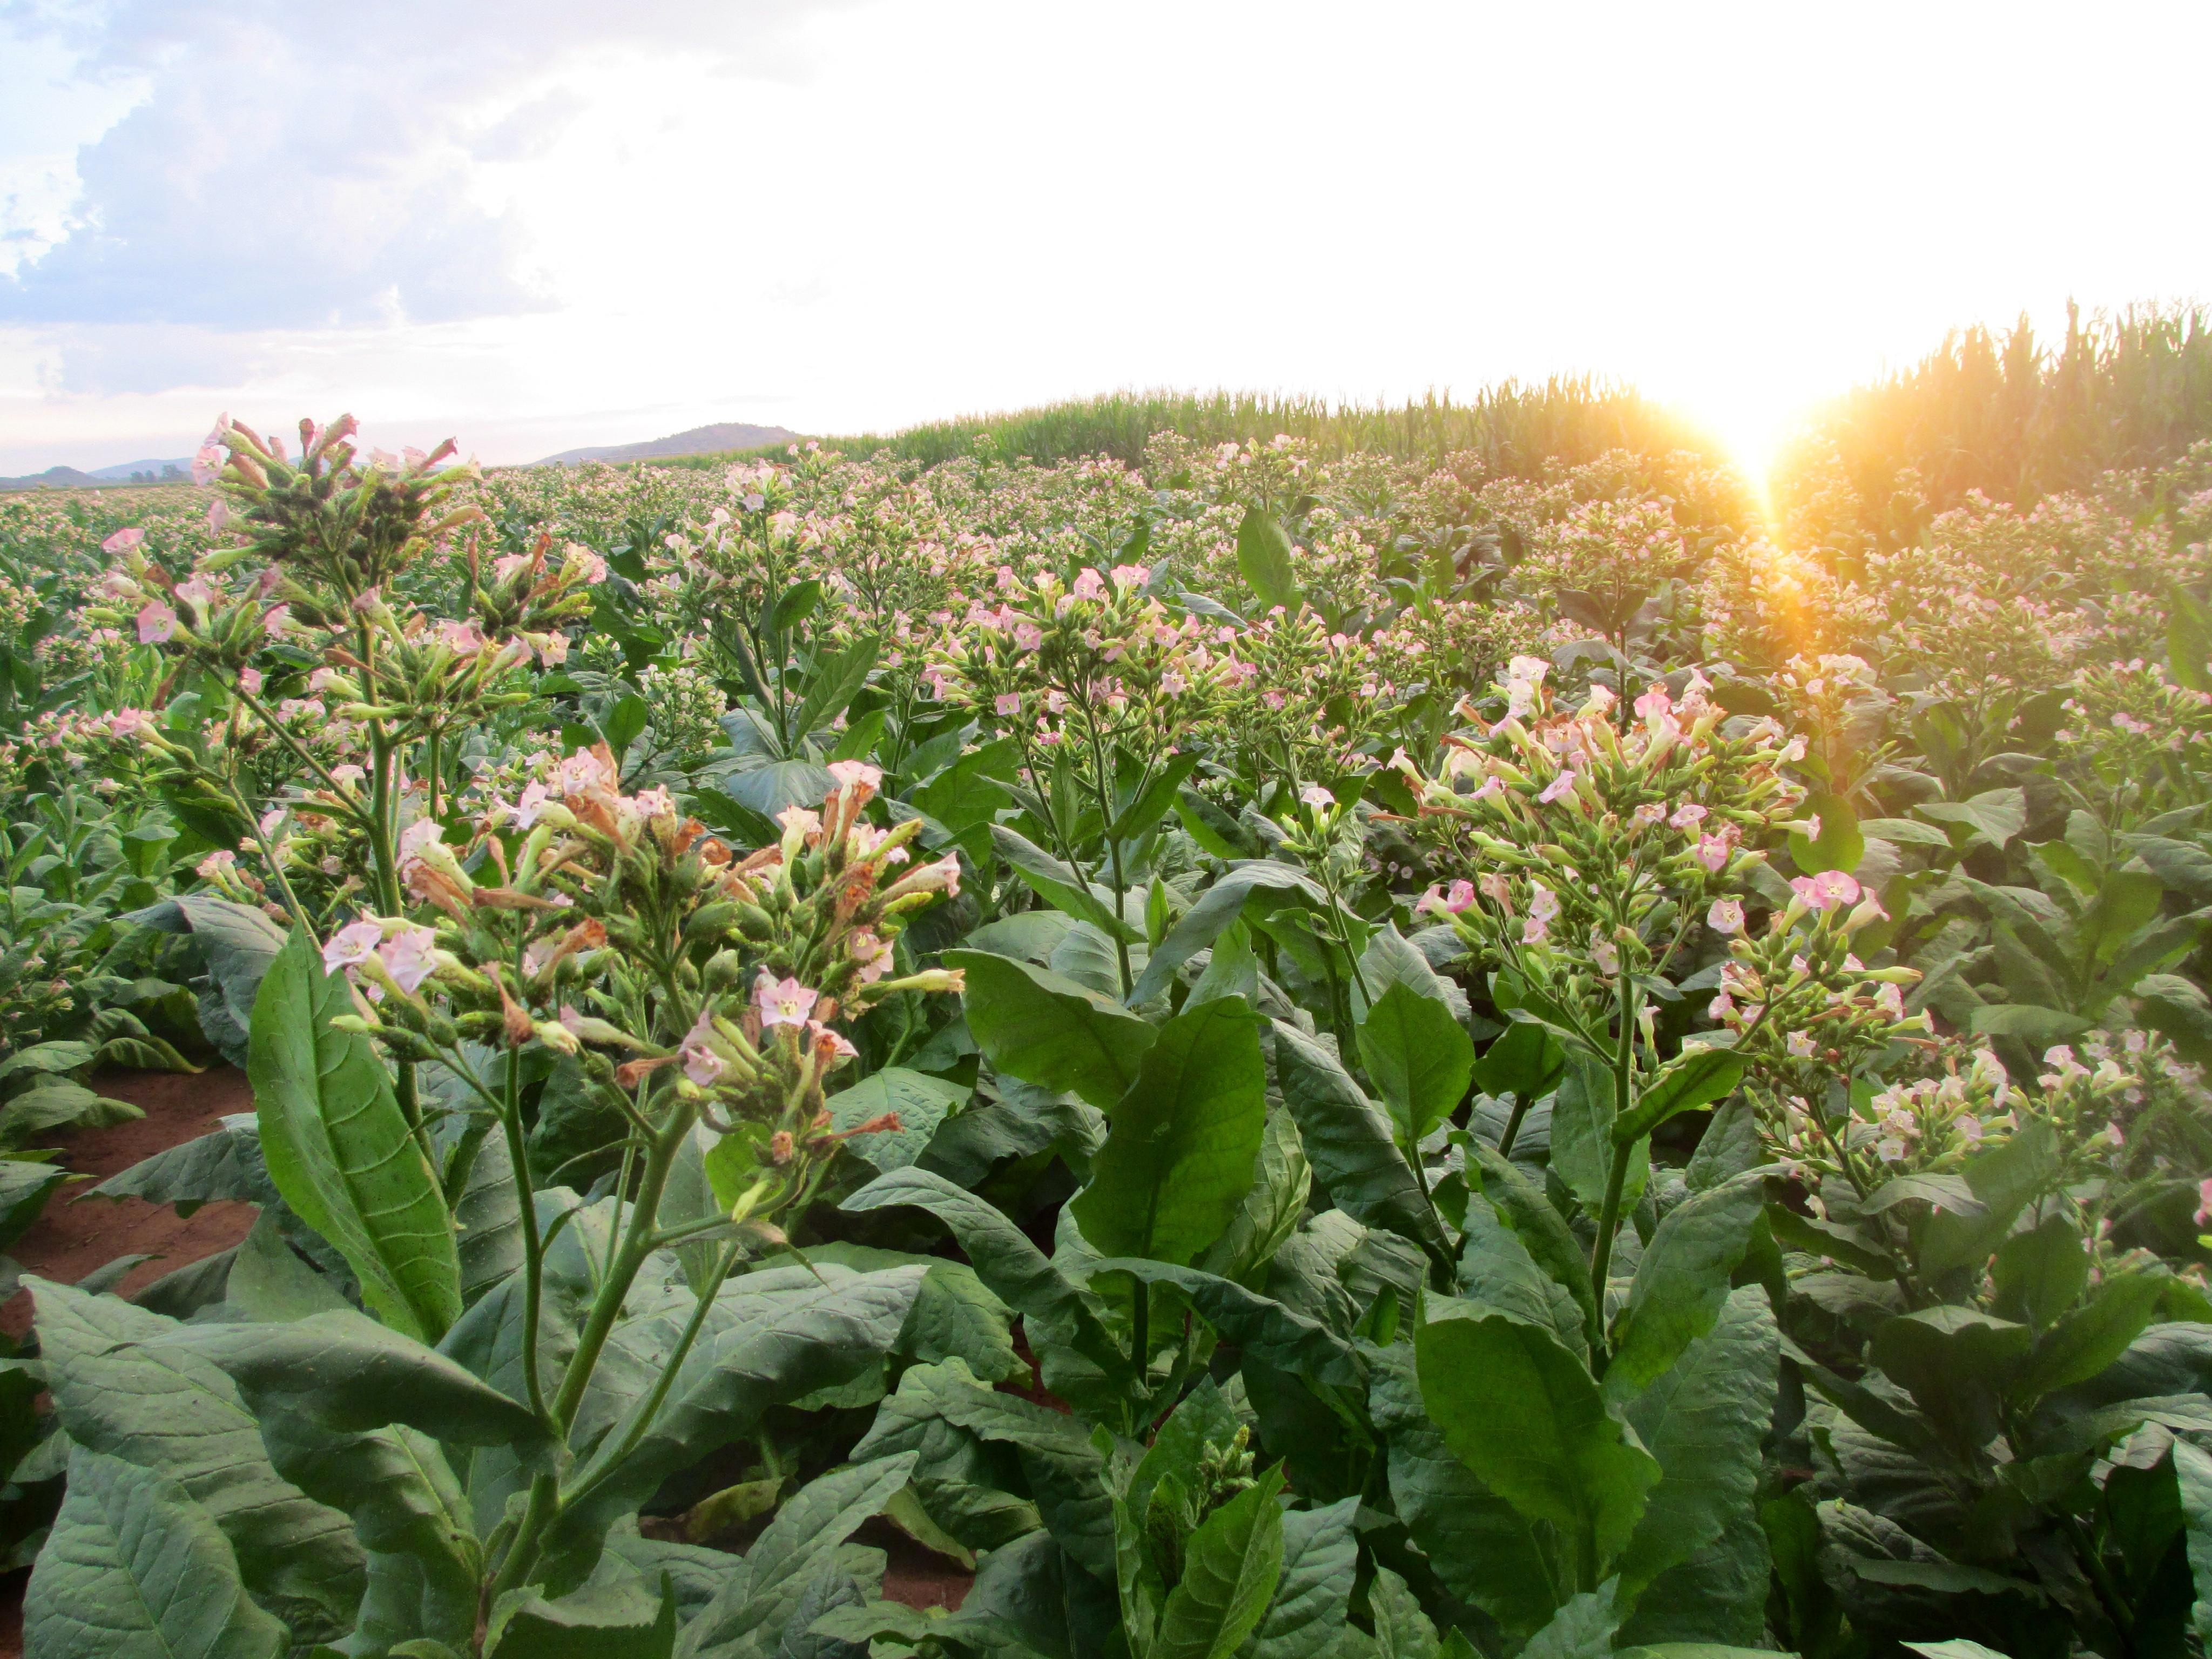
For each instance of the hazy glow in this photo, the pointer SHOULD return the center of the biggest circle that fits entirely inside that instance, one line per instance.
(857, 217)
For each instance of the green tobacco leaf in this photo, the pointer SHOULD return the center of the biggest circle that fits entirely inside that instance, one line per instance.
(1003, 1258)
(1178, 1161)
(1582, 1629)
(1484, 1552)
(1231, 1568)
(1218, 906)
(758, 1599)
(239, 943)
(1583, 1118)
(2177, 1010)
(129, 1382)
(2093, 1336)
(1418, 1056)
(1681, 1282)
(1541, 1229)
(134, 1569)
(836, 683)
(1705, 1420)
(921, 1101)
(1524, 1415)
(341, 1153)
(1696, 1077)
(1355, 1156)
(1402, 1630)
(2040, 1273)
(2189, 640)
(2184, 865)
(1321, 1562)
(798, 1344)
(1524, 1059)
(1048, 1029)
(1271, 1211)
(1263, 555)
(608, 1621)
(1263, 1328)
(1955, 1363)
(24, 1189)
(2192, 1478)
(1999, 814)
(625, 723)
(1058, 886)
(1839, 846)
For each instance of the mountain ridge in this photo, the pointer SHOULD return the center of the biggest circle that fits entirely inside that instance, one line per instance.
(698, 440)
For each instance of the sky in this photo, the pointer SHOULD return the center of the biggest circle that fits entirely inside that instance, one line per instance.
(538, 226)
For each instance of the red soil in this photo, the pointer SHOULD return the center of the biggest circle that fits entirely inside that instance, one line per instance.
(78, 1234)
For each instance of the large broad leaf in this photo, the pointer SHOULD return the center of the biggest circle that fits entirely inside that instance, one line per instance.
(1696, 1078)
(1525, 1059)
(1261, 1327)
(24, 1189)
(1230, 1567)
(1320, 1561)
(1418, 1056)
(1178, 1160)
(1539, 1227)
(1002, 1256)
(1998, 814)
(836, 682)
(1061, 1466)
(618, 1620)
(1704, 1419)
(1521, 1410)
(1046, 1029)
(759, 1598)
(1218, 906)
(1271, 1209)
(794, 1345)
(1355, 1155)
(1681, 1282)
(920, 1102)
(126, 1383)
(1060, 886)
(341, 1153)
(1484, 1550)
(2192, 1479)
(237, 943)
(224, 1164)
(1263, 554)
(134, 1569)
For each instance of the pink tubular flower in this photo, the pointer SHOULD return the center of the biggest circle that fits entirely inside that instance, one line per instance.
(534, 797)
(1562, 784)
(2205, 1202)
(122, 540)
(408, 956)
(850, 772)
(1534, 932)
(352, 945)
(1459, 896)
(872, 955)
(830, 1047)
(700, 1063)
(1314, 795)
(157, 624)
(1007, 702)
(1688, 816)
(1713, 853)
(1726, 917)
(1090, 585)
(463, 639)
(782, 1002)
(1028, 636)
(277, 620)
(1497, 887)
(219, 860)
(251, 680)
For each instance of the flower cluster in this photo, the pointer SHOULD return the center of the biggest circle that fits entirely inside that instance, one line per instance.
(686, 977)
(1590, 850)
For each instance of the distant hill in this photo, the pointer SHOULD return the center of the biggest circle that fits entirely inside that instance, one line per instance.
(699, 440)
(147, 471)
(55, 477)
(128, 472)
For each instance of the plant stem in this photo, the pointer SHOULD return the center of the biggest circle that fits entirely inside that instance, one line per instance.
(1521, 1104)
(533, 1248)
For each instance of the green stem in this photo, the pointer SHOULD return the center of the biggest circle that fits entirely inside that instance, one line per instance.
(1521, 1104)
(533, 1247)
